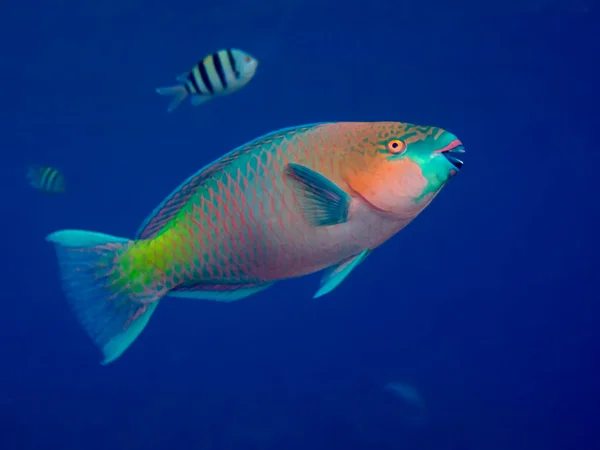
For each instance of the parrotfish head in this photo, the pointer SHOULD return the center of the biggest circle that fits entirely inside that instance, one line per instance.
(245, 63)
(402, 167)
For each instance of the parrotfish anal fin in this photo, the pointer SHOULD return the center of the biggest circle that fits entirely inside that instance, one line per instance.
(218, 292)
(323, 203)
(337, 274)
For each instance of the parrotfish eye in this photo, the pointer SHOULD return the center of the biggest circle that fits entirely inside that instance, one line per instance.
(396, 146)
(247, 59)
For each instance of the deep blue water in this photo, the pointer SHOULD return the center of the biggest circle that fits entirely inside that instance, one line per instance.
(486, 303)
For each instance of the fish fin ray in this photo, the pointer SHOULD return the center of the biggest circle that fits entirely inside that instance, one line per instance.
(322, 202)
(178, 92)
(219, 292)
(197, 100)
(111, 312)
(334, 276)
(183, 77)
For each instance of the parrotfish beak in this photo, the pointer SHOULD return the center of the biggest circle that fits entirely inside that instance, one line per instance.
(451, 150)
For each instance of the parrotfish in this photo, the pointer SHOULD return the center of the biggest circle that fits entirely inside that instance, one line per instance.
(287, 204)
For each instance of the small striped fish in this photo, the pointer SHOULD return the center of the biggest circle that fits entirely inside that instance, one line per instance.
(220, 73)
(47, 179)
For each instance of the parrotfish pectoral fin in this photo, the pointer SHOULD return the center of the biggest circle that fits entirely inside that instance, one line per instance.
(179, 93)
(323, 203)
(220, 293)
(112, 310)
(337, 274)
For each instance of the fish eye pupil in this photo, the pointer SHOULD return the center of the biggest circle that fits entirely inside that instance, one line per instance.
(396, 146)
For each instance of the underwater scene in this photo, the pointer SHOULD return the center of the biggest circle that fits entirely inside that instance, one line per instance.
(300, 225)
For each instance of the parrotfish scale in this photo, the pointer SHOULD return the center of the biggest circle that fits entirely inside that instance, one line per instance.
(175, 201)
(169, 207)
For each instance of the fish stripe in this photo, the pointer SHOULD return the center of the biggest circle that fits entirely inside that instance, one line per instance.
(51, 180)
(233, 64)
(219, 69)
(44, 180)
(194, 79)
(227, 67)
(205, 78)
(211, 70)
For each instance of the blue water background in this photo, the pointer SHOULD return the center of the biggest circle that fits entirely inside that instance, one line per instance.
(487, 303)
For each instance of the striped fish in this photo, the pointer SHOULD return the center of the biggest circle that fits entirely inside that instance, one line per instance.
(290, 203)
(47, 179)
(220, 73)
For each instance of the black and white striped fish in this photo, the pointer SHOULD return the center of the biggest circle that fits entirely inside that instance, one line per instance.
(47, 179)
(220, 73)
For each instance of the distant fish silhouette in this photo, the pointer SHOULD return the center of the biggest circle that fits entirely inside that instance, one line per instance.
(414, 403)
(47, 179)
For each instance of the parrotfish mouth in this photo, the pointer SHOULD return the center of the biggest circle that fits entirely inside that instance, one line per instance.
(450, 150)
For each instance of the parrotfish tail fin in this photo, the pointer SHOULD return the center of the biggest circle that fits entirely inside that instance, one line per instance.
(179, 93)
(112, 308)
